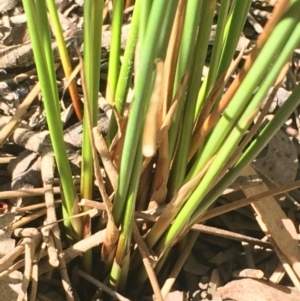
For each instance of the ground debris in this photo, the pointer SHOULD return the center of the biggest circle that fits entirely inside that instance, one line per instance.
(257, 290)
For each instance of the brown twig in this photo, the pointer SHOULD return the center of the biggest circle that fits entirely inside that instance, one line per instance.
(77, 249)
(147, 262)
(102, 286)
(35, 207)
(179, 264)
(246, 201)
(106, 159)
(26, 193)
(230, 235)
(26, 219)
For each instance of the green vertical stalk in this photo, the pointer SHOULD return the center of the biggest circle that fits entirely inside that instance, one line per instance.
(92, 57)
(257, 99)
(234, 26)
(226, 39)
(216, 51)
(268, 54)
(115, 49)
(194, 206)
(165, 30)
(126, 70)
(193, 12)
(263, 138)
(180, 163)
(41, 13)
(138, 109)
(39, 33)
(63, 51)
(120, 270)
(144, 17)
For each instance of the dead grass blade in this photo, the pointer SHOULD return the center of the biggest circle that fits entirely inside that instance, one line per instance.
(208, 119)
(151, 123)
(230, 235)
(247, 201)
(172, 58)
(146, 256)
(172, 208)
(160, 181)
(116, 146)
(103, 151)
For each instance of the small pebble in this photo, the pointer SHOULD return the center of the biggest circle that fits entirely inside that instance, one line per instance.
(203, 294)
(248, 273)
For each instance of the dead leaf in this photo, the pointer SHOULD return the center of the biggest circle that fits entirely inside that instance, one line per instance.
(159, 186)
(110, 169)
(174, 206)
(110, 240)
(257, 290)
(151, 122)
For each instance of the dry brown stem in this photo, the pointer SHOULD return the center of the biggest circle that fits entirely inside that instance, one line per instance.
(108, 164)
(29, 251)
(146, 257)
(192, 237)
(34, 281)
(102, 286)
(230, 235)
(25, 193)
(246, 201)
